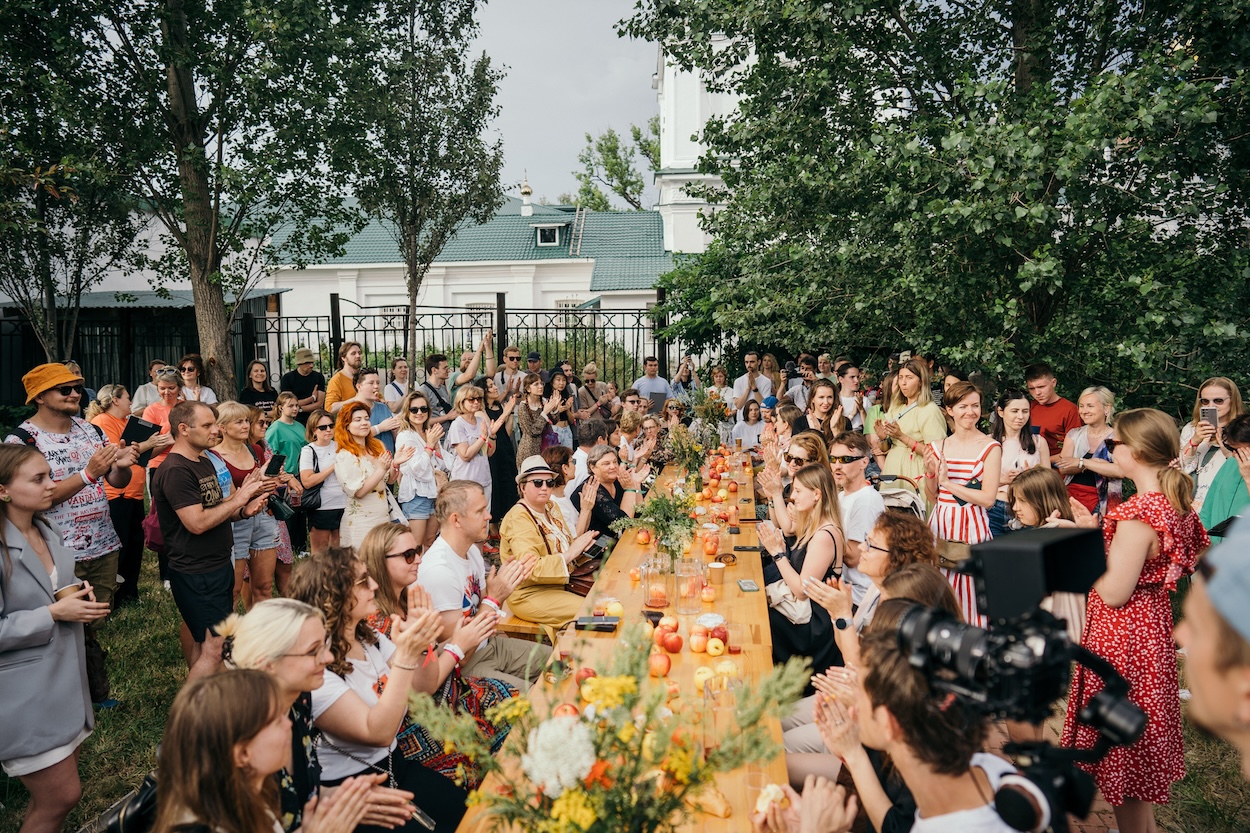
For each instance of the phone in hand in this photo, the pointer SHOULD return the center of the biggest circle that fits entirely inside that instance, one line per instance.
(275, 465)
(1211, 415)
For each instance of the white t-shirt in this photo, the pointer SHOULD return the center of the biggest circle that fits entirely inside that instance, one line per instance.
(364, 679)
(763, 387)
(580, 473)
(860, 511)
(393, 392)
(454, 583)
(981, 819)
(647, 386)
(848, 411)
(332, 494)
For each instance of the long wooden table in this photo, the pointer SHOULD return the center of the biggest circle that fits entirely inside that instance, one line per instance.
(750, 610)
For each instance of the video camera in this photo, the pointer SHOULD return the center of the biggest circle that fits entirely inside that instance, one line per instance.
(1023, 664)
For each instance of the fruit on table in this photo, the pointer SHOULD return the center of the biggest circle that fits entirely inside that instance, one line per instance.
(644, 536)
(657, 595)
(711, 546)
(720, 632)
(733, 485)
(635, 575)
(565, 710)
(715, 647)
(659, 665)
(584, 673)
(696, 629)
(701, 676)
(708, 593)
(670, 622)
(673, 643)
(614, 609)
(726, 668)
(698, 642)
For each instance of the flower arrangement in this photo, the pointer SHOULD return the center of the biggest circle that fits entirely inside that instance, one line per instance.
(627, 761)
(685, 448)
(710, 417)
(669, 517)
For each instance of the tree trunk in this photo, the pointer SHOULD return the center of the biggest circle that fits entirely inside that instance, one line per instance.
(200, 210)
(46, 330)
(415, 275)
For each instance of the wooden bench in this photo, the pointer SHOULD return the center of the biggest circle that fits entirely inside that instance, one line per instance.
(521, 628)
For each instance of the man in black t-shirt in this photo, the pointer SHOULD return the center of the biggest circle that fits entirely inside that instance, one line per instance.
(307, 384)
(195, 519)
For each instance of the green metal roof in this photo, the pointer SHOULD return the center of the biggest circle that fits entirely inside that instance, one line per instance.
(150, 299)
(627, 247)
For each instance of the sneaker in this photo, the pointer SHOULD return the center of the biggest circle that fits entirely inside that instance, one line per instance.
(488, 549)
(106, 705)
(165, 584)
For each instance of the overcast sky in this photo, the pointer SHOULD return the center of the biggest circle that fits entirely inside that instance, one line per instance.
(568, 74)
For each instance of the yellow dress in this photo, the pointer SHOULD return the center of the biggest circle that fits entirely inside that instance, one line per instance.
(923, 423)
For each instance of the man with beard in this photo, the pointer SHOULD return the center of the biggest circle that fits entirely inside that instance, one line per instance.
(342, 385)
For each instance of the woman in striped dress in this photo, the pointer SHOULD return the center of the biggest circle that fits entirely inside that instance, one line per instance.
(961, 480)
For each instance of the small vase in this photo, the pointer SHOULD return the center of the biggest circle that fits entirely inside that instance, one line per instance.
(695, 481)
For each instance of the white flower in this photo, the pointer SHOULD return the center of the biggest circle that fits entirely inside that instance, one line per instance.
(559, 755)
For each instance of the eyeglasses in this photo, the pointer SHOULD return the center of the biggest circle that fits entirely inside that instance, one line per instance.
(632, 401)
(672, 408)
(1220, 401)
(797, 461)
(187, 369)
(362, 581)
(166, 371)
(845, 460)
(314, 652)
(542, 483)
(409, 555)
(419, 409)
(69, 390)
(873, 546)
(1112, 443)
(329, 426)
(473, 399)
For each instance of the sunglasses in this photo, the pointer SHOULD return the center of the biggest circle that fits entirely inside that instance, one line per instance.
(845, 460)
(1219, 401)
(543, 483)
(166, 371)
(473, 399)
(512, 358)
(1112, 444)
(420, 409)
(797, 461)
(329, 426)
(409, 555)
(69, 390)
(187, 369)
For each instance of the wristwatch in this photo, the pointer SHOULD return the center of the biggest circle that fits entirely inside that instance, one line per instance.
(841, 624)
(778, 556)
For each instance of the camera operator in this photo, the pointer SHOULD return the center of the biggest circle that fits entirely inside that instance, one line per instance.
(1215, 633)
(933, 740)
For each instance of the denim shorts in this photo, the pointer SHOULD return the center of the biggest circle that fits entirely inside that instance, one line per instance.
(418, 509)
(258, 533)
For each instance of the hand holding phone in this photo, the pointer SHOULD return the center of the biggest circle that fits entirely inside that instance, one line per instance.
(275, 465)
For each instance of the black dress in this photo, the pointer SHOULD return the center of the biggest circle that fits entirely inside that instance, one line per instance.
(813, 639)
(503, 495)
(607, 509)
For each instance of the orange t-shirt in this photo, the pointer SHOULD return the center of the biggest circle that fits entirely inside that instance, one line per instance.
(113, 428)
(158, 414)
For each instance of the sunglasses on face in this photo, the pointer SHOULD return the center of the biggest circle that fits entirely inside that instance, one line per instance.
(187, 369)
(409, 555)
(473, 399)
(632, 401)
(419, 409)
(512, 358)
(69, 390)
(1112, 444)
(845, 460)
(329, 426)
(544, 483)
(1219, 401)
(796, 461)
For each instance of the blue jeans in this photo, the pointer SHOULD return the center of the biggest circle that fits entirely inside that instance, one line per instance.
(999, 516)
(418, 509)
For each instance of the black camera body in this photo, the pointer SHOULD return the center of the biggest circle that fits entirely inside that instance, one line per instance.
(1019, 667)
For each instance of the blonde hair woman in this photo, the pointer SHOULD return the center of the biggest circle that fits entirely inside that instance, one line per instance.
(1152, 539)
(255, 538)
(469, 439)
(287, 639)
(815, 556)
(1202, 441)
(1092, 476)
(911, 422)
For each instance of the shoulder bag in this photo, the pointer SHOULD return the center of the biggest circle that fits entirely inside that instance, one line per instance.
(310, 500)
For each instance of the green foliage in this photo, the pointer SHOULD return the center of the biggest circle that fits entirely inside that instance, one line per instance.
(1000, 183)
(609, 163)
(668, 516)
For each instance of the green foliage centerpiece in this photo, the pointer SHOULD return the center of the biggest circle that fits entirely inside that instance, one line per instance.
(685, 449)
(632, 760)
(669, 517)
(710, 417)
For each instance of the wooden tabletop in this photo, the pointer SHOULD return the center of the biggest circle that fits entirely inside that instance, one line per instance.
(746, 610)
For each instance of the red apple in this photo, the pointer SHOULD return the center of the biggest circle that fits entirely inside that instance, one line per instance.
(698, 642)
(711, 546)
(635, 575)
(717, 499)
(644, 536)
(720, 632)
(670, 622)
(659, 664)
(657, 636)
(565, 710)
(696, 629)
(673, 643)
(584, 674)
(673, 689)
(733, 486)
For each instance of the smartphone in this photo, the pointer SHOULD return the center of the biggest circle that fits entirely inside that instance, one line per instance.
(744, 548)
(1210, 415)
(275, 465)
(596, 623)
(1036, 429)
(748, 585)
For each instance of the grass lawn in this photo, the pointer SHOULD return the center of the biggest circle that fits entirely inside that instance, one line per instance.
(146, 669)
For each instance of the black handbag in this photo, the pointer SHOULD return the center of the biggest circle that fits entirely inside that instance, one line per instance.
(310, 500)
(134, 813)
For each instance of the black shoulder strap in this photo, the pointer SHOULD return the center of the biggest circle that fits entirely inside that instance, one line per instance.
(24, 435)
(442, 403)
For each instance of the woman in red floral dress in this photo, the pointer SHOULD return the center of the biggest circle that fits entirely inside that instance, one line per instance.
(1152, 540)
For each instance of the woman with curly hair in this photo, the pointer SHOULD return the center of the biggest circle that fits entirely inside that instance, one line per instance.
(363, 704)
(217, 762)
(366, 471)
(393, 557)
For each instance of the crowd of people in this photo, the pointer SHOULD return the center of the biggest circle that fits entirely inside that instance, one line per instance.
(423, 514)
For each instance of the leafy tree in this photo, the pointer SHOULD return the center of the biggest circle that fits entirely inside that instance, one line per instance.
(419, 159)
(997, 181)
(609, 163)
(66, 217)
(242, 98)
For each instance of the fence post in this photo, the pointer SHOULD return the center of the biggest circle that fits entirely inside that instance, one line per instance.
(501, 325)
(336, 330)
(661, 346)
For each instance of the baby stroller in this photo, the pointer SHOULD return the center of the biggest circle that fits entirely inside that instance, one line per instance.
(896, 497)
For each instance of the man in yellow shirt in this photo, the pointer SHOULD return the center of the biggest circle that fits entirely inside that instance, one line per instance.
(341, 388)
